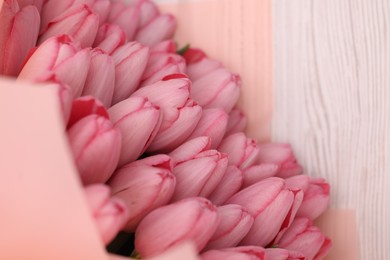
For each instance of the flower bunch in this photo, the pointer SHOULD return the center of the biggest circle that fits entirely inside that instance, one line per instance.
(156, 135)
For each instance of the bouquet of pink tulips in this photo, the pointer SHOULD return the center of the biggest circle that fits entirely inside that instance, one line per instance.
(157, 138)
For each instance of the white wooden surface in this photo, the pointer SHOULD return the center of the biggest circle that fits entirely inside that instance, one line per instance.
(332, 102)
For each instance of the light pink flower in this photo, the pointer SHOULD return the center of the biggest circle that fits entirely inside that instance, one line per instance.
(85, 106)
(272, 205)
(126, 16)
(18, 34)
(130, 62)
(148, 11)
(198, 65)
(242, 151)
(302, 233)
(100, 80)
(234, 223)
(236, 123)
(37, 3)
(236, 253)
(193, 219)
(282, 254)
(144, 185)
(96, 145)
(180, 113)
(161, 64)
(168, 46)
(110, 214)
(102, 9)
(139, 122)
(316, 199)
(282, 155)
(159, 29)
(228, 186)
(78, 22)
(212, 124)
(109, 37)
(217, 89)
(59, 57)
(258, 172)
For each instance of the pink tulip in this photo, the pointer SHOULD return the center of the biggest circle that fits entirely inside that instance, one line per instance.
(109, 214)
(109, 37)
(199, 176)
(198, 65)
(96, 145)
(217, 89)
(193, 219)
(102, 9)
(37, 3)
(161, 64)
(236, 122)
(272, 205)
(53, 8)
(282, 155)
(242, 151)
(100, 80)
(78, 22)
(18, 34)
(235, 223)
(228, 186)
(302, 233)
(180, 113)
(85, 106)
(168, 46)
(236, 253)
(59, 57)
(298, 182)
(139, 122)
(126, 16)
(282, 254)
(212, 124)
(259, 172)
(316, 199)
(130, 62)
(190, 149)
(148, 11)
(144, 185)
(159, 29)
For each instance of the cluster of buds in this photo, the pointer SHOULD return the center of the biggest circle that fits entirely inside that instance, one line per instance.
(157, 137)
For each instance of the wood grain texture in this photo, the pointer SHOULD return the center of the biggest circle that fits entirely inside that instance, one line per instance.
(238, 33)
(332, 91)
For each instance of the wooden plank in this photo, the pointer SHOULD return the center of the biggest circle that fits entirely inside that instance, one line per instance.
(332, 79)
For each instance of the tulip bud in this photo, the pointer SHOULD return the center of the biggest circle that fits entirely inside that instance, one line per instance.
(235, 223)
(143, 185)
(148, 11)
(128, 116)
(160, 65)
(282, 254)
(58, 57)
(168, 46)
(236, 122)
(193, 219)
(100, 80)
(272, 205)
(96, 145)
(53, 8)
(258, 173)
(85, 106)
(37, 3)
(126, 16)
(302, 233)
(79, 22)
(18, 34)
(180, 113)
(218, 89)
(242, 151)
(199, 176)
(236, 253)
(130, 63)
(212, 124)
(228, 186)
(109, 214)
(298, 182)
(102, 9)
(109, 37)
(316, 199)
(159, 29)
(198, 65)
(190, 149)
(282, 155)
